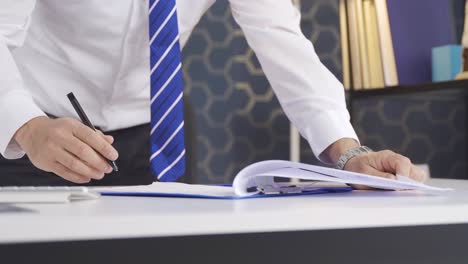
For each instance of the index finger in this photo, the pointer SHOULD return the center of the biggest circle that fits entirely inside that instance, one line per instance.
(96, 141)
(396, 163)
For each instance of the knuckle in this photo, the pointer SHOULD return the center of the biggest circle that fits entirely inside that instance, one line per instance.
(102, 165)
(75, 130)
(55, 131)
(49, 144)
(105, 149)
(74, 164)
(387, 152)
(64, 123)
(78, 128)
(406, 160)
(68, 121)
(402, 160)
(82, 150)
(59, 171)
(88, 134)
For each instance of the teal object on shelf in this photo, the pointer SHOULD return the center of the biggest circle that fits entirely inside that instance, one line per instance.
(446, 62)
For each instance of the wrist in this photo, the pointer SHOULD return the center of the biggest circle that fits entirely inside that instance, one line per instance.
(339, 147)
(25, 132)
(350, 154)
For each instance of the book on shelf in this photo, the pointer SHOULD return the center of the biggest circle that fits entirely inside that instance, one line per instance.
(354, 45)
(386, 44)
(373, 45)
(389, 42)
(345, 45)
(363, 48)
(368, 43)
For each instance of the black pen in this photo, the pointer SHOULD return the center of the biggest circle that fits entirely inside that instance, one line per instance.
(86, 121)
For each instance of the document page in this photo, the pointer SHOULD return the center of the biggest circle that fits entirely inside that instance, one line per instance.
(264, 173)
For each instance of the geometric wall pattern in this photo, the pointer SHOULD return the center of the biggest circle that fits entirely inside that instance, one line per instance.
(320, 24)
(239, 120)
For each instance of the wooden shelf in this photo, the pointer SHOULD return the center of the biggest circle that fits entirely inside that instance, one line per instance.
(410, 89)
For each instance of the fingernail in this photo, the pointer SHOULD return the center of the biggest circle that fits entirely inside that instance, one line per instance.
(108, 169)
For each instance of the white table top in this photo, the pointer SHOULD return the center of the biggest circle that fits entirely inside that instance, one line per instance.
(130, 217)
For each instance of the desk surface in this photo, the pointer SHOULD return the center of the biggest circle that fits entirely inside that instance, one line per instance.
(137, 217)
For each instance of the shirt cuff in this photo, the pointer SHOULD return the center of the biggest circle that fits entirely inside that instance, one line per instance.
(329, 127)
(16, 109)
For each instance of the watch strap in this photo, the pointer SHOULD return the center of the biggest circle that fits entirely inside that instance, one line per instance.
(351, 153)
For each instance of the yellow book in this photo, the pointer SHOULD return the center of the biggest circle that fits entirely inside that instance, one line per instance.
(373, 45)
(386, 44)
(354, 45)
(363, 51)
(345, 45)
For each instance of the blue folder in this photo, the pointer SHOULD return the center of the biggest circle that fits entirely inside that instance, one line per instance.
(318, 190)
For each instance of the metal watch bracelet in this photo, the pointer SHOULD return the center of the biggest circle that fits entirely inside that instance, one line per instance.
(350, 154)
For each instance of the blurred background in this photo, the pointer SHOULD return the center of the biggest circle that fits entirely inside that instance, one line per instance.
(239, 121)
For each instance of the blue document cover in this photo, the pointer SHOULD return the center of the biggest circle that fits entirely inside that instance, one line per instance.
(417, 26)
(229, 195)
(183, 195)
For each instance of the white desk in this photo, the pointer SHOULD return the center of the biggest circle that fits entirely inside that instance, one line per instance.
(332, 219)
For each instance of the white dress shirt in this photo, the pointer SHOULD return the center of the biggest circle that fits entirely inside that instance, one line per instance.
(99, 50)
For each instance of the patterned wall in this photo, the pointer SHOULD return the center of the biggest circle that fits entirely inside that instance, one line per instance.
(320, 24)
(239, 121)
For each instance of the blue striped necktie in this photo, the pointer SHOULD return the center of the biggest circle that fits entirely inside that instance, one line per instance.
(167, 119)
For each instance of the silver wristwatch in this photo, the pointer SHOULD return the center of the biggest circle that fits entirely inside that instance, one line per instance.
(350, 154)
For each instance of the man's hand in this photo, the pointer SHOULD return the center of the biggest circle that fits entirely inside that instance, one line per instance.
(67, 148)
(384, 163)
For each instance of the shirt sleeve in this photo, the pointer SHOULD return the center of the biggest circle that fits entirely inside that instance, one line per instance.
(16, 104)
(311, 96)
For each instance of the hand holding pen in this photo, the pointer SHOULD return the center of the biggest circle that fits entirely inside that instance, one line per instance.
(84, 118)
(67, 148)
